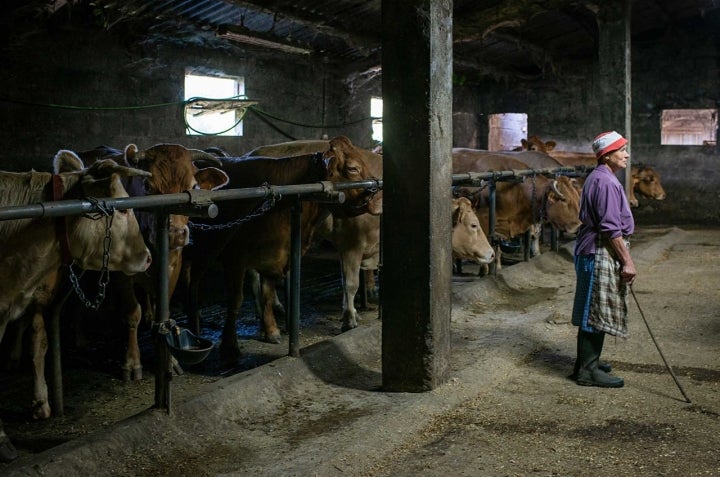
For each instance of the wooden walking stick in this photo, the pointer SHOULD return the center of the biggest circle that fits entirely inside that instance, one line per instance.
(687, 399)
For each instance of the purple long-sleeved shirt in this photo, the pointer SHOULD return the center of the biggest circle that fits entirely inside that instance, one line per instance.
(604, 209)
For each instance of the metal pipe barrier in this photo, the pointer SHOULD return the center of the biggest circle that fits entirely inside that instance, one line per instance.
(196, 202)
(201, 202)
(490, 178)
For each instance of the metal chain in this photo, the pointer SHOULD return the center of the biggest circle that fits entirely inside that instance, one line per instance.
(261, 210)
(104, 272)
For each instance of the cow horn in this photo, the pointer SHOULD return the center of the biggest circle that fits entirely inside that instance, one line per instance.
(198, 155)
(553, 186)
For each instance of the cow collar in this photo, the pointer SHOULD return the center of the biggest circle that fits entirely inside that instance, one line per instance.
(61, 232)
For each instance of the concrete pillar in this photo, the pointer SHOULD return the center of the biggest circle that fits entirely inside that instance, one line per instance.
(614, 60)
(417, 176)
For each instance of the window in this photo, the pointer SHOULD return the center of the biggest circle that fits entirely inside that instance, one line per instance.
(689, 127)
(215, 121)
(376, 112)
(507, 130)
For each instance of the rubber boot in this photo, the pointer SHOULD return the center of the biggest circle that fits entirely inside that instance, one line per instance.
(589, 373)
(605, 366)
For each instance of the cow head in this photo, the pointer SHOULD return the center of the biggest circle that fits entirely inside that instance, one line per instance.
(646, 181)
(86, 236)
(562, 204)
(173, 170)
(346, 163)
(469, 242)
(534, 143)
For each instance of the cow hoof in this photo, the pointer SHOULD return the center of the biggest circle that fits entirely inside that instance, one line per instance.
(41, 410)
(132, 374)
(274, 338)
(349, 321)
(8, 453)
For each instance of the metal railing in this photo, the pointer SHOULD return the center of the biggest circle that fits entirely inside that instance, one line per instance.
(192, 203)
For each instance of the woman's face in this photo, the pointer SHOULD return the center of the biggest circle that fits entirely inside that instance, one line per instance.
(617, 160)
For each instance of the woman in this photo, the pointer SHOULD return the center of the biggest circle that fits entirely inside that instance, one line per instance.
(603, 264)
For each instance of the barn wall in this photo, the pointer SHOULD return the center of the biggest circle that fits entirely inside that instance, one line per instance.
(96, 70)
(680, 71)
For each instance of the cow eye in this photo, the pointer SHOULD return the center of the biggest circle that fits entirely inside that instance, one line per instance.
(123, 211)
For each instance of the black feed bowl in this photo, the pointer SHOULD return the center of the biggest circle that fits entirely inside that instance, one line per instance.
(187, 348)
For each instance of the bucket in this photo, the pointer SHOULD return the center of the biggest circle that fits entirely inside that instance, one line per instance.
(187, 348)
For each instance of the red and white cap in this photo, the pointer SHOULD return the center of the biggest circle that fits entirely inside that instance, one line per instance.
(607, 142)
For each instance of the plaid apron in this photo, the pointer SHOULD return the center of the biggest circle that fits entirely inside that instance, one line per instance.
(601, 294)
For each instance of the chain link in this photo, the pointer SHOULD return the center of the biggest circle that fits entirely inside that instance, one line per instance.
(104, 279)
(261, 210)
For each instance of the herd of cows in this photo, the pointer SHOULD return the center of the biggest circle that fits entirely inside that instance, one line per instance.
(247, 237)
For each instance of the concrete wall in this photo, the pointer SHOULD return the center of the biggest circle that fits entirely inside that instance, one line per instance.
(69, 65)
(682, 71)
(108, 80)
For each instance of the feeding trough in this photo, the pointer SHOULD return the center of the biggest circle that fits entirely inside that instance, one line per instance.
(187, 348)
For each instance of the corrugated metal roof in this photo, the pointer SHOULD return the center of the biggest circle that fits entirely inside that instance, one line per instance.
(521, 37)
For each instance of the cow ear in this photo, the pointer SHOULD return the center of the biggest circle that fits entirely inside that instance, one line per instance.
(211, 178)
(67, 161)
(131, 156)
(550, 146)
(525, 144)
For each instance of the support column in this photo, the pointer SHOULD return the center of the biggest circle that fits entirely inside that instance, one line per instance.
(417, 177)
(614, 59)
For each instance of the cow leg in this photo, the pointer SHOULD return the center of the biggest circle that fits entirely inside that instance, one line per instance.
(351, 282)
(8, 452)
(370, 284)
(271, 332)
(535, 235)
(14, 338)
(234, 282)
(132, 368)
(195, 269)
(41, 407)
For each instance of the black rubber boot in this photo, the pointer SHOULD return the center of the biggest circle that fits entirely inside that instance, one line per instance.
(605, 366)
(589, 374)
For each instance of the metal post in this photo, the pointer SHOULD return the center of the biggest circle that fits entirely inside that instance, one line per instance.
(57, 403)
(491, 220)
(163, 376)
(295, 256)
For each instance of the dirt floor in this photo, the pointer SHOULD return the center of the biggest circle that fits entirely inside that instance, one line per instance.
(506, 409)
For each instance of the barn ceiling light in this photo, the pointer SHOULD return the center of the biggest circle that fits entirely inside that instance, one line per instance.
(243, 35)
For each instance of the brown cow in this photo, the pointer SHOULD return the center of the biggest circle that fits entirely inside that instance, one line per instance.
(31, 252)
(173, 171)
(520, 205)
(357, 239)
(255, 234)
(645, 179)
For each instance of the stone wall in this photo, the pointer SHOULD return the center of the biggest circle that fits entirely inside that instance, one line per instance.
(120, 92)
(70, 88)
(680, 72)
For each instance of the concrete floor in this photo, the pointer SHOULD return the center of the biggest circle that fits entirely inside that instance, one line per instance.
(507, 407)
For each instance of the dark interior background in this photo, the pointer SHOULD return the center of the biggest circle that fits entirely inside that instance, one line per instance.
(78, 74)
